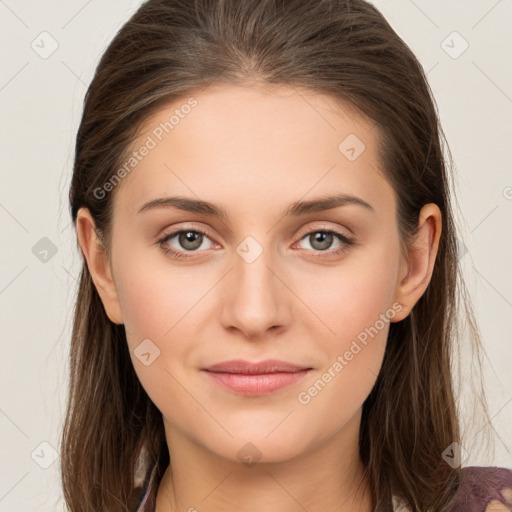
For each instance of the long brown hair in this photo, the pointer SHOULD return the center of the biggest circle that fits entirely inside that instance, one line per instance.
(342, 48)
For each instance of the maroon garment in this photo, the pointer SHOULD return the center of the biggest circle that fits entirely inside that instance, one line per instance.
(482, 485)
(479, 486)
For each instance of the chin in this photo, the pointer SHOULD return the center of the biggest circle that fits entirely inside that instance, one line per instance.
(251, 445)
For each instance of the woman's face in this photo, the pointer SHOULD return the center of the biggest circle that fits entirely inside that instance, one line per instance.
(264, 281)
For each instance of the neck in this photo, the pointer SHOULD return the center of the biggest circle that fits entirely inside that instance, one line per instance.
(328, 476)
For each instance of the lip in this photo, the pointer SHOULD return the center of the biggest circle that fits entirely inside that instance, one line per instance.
(254, 379)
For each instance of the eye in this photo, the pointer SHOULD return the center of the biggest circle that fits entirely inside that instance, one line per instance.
(322, 239)
(191, 240)
(187, 240)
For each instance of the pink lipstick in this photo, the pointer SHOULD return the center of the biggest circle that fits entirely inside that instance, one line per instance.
(256, 378)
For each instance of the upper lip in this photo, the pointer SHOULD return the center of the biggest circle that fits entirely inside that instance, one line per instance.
(249, 368)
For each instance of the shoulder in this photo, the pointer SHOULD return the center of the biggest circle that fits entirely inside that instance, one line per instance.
(484, 489)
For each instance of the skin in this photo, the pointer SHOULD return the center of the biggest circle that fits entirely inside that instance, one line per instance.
(255, 150)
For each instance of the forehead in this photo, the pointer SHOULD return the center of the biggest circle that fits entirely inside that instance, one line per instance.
(276, 141)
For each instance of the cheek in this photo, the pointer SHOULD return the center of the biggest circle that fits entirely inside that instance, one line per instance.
(349, 298)
(143, 308)
(160, 308)
(154, 315)
(354, 309)
(155, 300)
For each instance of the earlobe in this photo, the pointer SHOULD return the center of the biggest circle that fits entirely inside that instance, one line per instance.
(98, 264)
(421, 259)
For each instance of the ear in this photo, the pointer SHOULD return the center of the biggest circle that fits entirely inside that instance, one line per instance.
(98, 263)
(416, 272)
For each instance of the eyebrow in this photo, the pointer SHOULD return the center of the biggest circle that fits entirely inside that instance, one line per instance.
(295, 209)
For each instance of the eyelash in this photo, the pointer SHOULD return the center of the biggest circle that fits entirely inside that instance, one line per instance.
(182, 255)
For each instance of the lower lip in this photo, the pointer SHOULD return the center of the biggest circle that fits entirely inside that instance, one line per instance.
(260, 384)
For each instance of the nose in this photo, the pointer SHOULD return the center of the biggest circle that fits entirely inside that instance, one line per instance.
(255, 299)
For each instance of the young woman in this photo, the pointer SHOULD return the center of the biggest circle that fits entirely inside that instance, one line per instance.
(270, 299)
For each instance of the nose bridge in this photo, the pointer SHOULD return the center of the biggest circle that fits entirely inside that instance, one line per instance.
(253, 303)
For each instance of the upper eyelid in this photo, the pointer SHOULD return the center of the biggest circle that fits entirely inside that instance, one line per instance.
(304, 232)
(324, 228)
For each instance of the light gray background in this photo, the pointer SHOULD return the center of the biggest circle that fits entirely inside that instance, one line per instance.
(41, 102)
